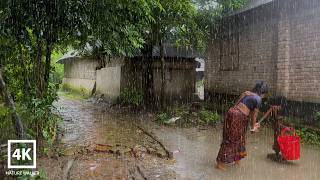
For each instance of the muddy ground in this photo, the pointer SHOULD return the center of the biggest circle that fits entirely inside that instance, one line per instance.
(99, 142)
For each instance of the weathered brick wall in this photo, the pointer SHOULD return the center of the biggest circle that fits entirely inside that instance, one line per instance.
(256, 56)
(279, 43)
(301, 31)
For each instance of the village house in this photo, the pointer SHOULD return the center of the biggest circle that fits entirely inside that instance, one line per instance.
(110, 77)
(276, 41)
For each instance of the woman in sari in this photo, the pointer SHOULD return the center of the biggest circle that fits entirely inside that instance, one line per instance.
(236, 121)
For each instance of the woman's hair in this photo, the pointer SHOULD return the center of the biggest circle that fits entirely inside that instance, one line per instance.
(261, 87)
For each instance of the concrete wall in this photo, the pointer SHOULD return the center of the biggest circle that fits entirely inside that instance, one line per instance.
(119, 74)
(180, 80)
(80, 73)
(278, 42)
(132, 75)
(108, 81)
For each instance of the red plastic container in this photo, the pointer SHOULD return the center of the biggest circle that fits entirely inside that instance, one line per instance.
(289, 144)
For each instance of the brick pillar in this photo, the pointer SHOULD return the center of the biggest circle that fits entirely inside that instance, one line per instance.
(283, 59)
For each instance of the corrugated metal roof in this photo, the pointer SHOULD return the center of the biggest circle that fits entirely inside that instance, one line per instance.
(251, 5)
(171, 51)
(256, 3)
(68, 55)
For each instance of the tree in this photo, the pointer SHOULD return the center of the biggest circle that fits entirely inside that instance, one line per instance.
(116, 27)
(184, 23)
(211, 12)
(30, 30)
(174, 22)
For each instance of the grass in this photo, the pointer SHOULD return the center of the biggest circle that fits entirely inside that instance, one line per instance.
(74, 95)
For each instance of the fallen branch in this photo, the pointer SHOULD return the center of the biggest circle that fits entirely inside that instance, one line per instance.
(168, 153)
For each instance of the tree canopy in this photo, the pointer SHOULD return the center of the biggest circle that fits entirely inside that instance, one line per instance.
(31, 30)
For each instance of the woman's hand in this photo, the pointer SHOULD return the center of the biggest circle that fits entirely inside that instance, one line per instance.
(256, 127)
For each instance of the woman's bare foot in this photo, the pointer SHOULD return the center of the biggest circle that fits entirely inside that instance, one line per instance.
(221, 166)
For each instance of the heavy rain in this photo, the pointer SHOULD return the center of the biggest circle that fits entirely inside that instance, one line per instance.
(160, 89)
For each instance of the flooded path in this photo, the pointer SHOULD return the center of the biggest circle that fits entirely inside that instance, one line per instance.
(87, 124)
(198, 150)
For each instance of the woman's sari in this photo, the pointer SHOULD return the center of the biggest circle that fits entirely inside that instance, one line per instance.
(234, 129)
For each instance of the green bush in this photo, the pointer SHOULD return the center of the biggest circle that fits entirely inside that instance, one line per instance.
(6, 127)
(181, 112)
(162, 116)
(309, 136)
(317, 116)
(130, 97)
(209, 117)
(57, 72)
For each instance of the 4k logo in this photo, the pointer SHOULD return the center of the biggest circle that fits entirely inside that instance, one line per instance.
(22, 154)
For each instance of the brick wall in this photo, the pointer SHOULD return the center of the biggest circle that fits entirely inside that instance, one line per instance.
(279, 43)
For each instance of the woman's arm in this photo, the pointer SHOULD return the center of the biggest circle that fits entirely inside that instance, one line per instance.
(254, 116)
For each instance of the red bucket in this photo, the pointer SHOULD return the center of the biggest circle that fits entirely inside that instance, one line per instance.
(289, 144)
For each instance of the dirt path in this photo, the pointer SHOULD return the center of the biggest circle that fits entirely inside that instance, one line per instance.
(99, 143)
(87, 124)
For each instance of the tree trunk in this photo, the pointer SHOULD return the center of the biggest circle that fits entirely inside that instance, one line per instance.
(38, 71)
(163, 80)
(19, 129)
(148, 77)
(47, 65)
(27, 84)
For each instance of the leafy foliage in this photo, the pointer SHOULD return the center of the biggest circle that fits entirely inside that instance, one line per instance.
(309, 136)
(162, 117)
(130, 97)
(317, 116)
(57, 72)
(210, 117)
(116, 28)
(31, 30)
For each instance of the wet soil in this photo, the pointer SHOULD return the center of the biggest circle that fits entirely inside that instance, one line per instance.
(97, 142)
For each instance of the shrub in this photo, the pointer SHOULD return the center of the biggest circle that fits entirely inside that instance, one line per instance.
(130, 97)
(162, 116)
(181, 112)
(210, 117)
(6, 127)
(317, 116)
(308, 136)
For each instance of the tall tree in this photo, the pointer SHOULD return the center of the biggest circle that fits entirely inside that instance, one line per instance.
(174, 22)
(31, 29)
